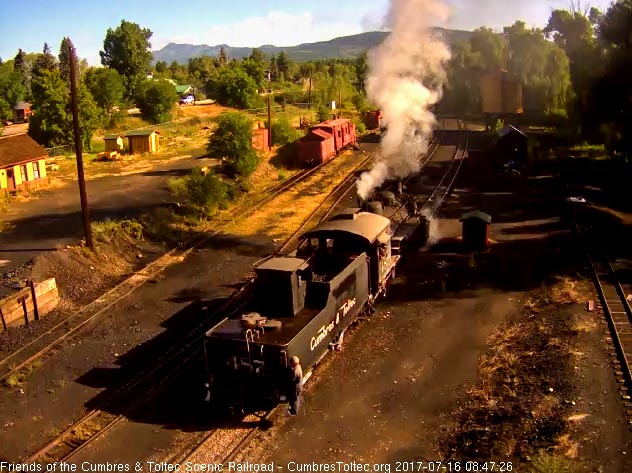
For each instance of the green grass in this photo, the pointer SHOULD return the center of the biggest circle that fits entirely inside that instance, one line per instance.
(105, 231)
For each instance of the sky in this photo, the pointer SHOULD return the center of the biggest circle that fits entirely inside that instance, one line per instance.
(27, 24)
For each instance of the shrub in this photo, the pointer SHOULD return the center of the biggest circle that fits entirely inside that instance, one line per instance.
(359, 124)
(283, 132)
(324, 114)
(232, 139)
(234, 87)
(204, 191)
(160, 226)
(107, 230)
(155, 99)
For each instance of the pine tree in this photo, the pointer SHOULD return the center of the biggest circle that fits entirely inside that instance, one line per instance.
(222, 57)
(66, 51)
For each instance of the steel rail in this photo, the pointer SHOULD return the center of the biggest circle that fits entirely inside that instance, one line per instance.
(59, 332)
(65, 445)
(606, 282)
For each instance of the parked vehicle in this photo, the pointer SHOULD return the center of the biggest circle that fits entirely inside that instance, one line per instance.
(187, 100)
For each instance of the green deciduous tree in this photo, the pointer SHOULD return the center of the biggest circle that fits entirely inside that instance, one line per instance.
(283, 132)
(233, 87)
(202, 69)
(207, 191)
(155, 99)
(232, 141)
(106, 86)
(283, 64)
(255, 69)
(490, 49)
(12, 89)
(126, 50)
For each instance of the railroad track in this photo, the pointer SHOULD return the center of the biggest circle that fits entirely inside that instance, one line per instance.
(21, 358)
(135, 393)
(329, 204)
(441, 191)
(100, 420)
(166, 369)
(614, 305)
(273, 191)
(201, 444)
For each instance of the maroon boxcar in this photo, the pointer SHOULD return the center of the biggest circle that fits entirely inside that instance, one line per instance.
(342, 129)
(373, 119)
(316, 147)
(325, 140)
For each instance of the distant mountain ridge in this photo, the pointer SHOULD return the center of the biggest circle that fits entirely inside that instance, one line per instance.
(342, 47)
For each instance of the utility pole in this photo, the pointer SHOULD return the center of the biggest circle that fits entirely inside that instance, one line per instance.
(82, 182)
(310, 90)
(269, 123)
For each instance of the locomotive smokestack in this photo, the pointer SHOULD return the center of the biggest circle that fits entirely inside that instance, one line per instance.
(405, 80)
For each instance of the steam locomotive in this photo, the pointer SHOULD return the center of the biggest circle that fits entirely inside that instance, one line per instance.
(303, 302)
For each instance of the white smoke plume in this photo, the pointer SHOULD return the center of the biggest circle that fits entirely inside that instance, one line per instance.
(405, 79)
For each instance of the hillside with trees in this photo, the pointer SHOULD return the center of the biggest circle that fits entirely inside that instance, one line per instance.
(573, 71)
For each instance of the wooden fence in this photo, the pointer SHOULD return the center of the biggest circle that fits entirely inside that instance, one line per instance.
(28, 304)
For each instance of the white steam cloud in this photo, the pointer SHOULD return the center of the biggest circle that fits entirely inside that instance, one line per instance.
(405, 79)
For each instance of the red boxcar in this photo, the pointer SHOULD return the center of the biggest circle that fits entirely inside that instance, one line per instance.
(342, 129)
(373, 119)
(325, 140)
(316, 147)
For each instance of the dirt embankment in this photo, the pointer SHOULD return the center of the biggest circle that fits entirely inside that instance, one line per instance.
(533, 402)
(81, 275)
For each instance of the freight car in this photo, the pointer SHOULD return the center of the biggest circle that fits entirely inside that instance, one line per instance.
(325, 140)
(373, 119)
(301, 305)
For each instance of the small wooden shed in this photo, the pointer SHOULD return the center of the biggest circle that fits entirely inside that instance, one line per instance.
(143, 141)
(260, 139)
(113, 143)
(476, 230)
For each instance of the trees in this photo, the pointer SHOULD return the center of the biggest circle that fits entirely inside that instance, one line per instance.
(233, 87)
(155, 99)
(12, 89)
(283, 64)
(106, 86)
(490, 49)
(45, 62)
(66, 50)
(232, 140)
(202, 69)
(610, 107)
(51, 124)
(126, 50)
(255, 70)
(222, 57)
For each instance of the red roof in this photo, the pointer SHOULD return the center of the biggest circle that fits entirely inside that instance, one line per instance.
(18, 149)
(336, 122)
(319, 133)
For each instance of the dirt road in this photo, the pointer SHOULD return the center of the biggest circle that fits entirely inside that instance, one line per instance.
(54, 218)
